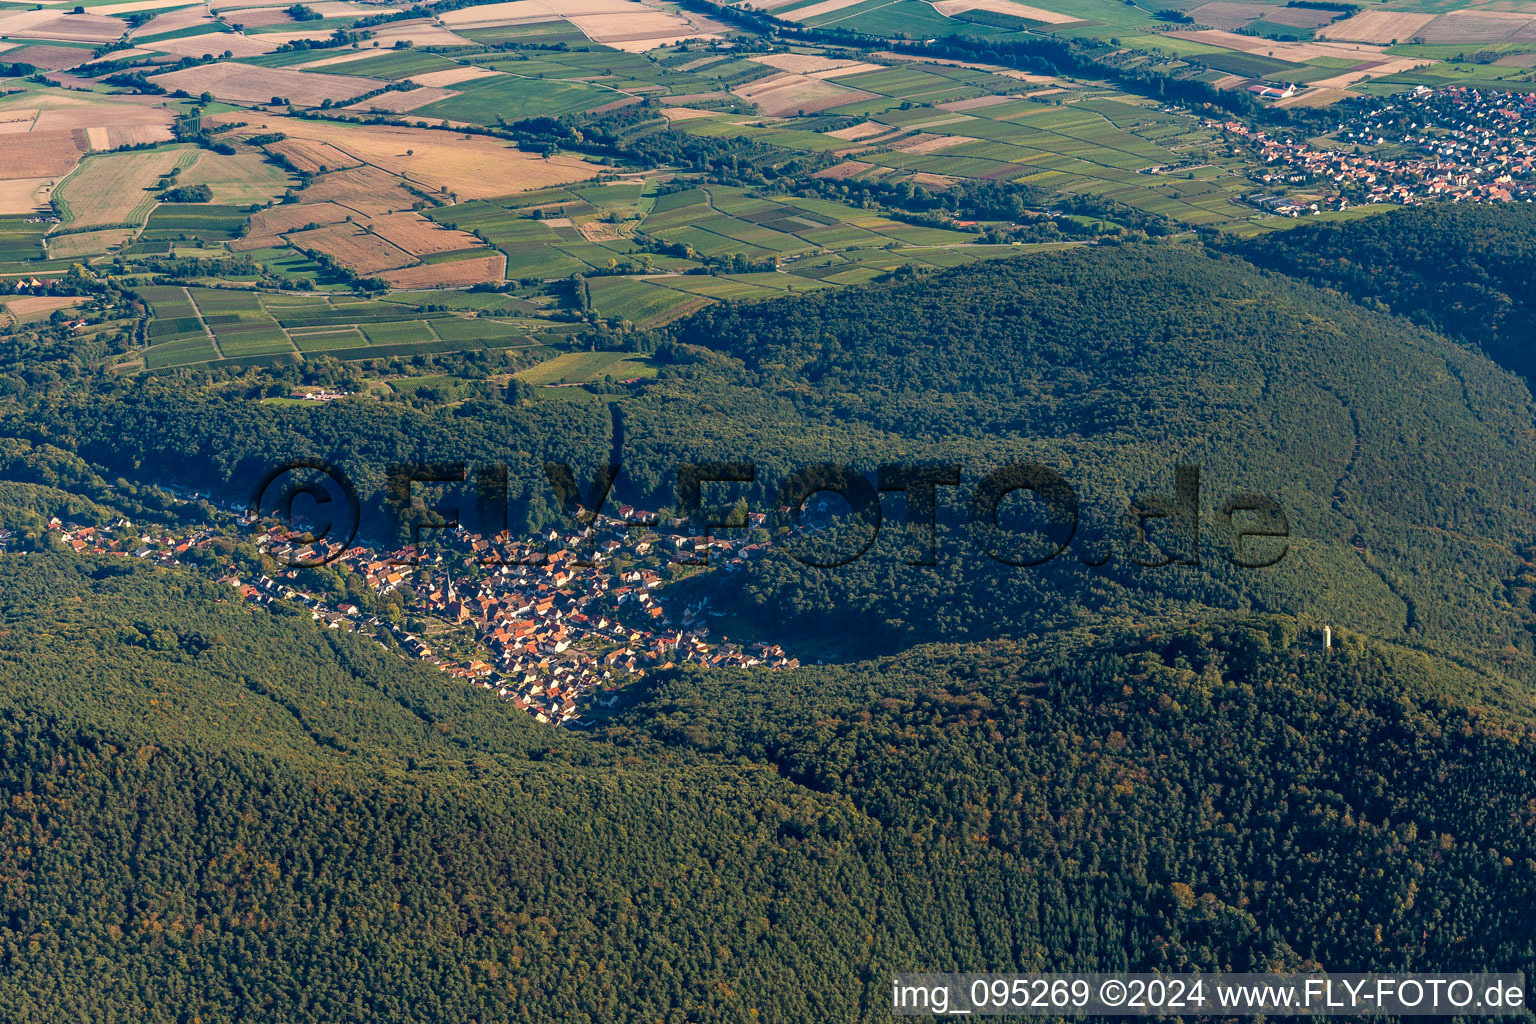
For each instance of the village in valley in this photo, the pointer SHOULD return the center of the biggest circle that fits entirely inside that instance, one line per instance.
(551, 624)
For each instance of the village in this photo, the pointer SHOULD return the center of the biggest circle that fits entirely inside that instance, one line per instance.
(550, 624)
(1455, 144)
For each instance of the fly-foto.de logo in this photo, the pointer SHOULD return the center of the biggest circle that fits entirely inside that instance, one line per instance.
(823, 516)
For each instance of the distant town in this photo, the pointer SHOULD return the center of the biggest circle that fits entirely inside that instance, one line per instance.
(1457, 144)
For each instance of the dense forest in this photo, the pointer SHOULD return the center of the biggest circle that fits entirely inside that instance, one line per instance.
(216, 813)
(1464, 270)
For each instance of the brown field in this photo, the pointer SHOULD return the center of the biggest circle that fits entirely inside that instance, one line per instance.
(25, 195)
(976, 103)
(1300, 17)
(41, 154)
(49, 58)
(468, 166)
(400, 102)
(418, 33)
(854, 68)
(536, 10)
(641, 25)
(35, 305)
(458, 274)
(133, 6)
(351, 246)
(250, 84)
(801, 63)
(75, 28)
(421, 237)
(313, 157)
(862, 130)
(366, 191)
(1003, 7)
(285, 217)
(344, 57)
(923, 143)
(815, 10)
(257, 17)
(1229, 15)
(1296, 53)
(241, 46)
(933, 180)
(789, 94)
(453, 76)
(686, 113)
(1474, 27)
(1377, 27)
(837, 172)
(683, 99)
(172, 21)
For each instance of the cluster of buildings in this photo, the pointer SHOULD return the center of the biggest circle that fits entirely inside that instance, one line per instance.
(557, 625)
(1456, 143)
(551, 624)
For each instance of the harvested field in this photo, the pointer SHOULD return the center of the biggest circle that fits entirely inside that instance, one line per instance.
(1296, 53)
(345, 57)
(131, 135)
(1229, 15)
(638, 29)
(313, 157)
(173, 21)
(855, 132)
(817, 10)
(1474, 27)
(49, 58)
(802, 63)
(686, 113)
(353, 247)
(790, 94)
(1300, 17)
(75, 28)
(366, 191)
(925, 143)
(258, 17)
(88, 243)
(116, 188)
(251, 84)
(469, 166)
(25, 195)
(217, 43)
(948, 7)
(41, 154)
(837, 172)
(519, 11)
(453, 76)
(458, 274)
(1377, 27)
(418, 33)
(33, 305)
(976, 103)
(421, 237)
(400, 102)
(134, 6)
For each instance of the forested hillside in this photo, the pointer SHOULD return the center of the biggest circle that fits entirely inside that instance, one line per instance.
(226, 814)
(1464, 270)
(1386, 446)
